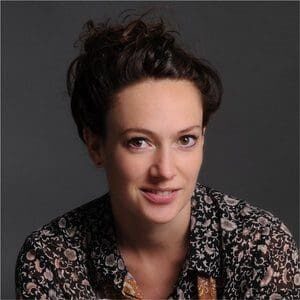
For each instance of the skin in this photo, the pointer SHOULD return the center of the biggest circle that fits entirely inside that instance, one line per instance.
(164, 157)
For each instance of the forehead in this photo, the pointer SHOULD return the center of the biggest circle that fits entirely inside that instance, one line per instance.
(158, 105)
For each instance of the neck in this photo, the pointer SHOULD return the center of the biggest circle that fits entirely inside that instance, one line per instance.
(151, 240)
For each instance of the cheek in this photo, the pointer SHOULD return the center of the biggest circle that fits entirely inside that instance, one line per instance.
(125, 167)
(195, 163)
(191, 159)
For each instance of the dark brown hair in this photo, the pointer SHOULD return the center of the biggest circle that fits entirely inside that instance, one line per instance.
(113, 57)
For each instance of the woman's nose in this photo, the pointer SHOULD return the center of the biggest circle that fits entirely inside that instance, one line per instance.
(163, 165)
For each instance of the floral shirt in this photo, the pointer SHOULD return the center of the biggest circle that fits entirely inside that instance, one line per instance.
(236, 251)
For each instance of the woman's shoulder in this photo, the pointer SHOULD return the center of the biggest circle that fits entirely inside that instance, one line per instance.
(253, 241)
(57, 250)
(242, 225)
(234, 213)
(72, 225)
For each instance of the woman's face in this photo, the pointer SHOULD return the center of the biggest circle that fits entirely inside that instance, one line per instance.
(154, 143)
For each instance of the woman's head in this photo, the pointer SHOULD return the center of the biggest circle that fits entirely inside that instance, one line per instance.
(114, 57)
(141, 104)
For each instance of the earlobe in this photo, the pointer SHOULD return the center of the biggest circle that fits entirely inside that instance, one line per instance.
(203, 135)
(93, 145)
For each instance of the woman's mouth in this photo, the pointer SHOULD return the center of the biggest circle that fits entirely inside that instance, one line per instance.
(160, 197)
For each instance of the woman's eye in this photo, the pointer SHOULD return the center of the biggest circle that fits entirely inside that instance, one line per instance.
(138, 143)
(188, 140)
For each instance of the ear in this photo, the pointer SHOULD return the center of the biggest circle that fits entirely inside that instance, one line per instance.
(94, 145)
(203, 135)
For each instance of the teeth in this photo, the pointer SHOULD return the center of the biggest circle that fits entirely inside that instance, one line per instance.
(165, 193)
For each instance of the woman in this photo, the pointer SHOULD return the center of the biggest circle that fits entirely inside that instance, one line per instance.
(142, 104)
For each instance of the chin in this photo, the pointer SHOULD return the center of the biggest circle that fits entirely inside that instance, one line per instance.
(164, 214)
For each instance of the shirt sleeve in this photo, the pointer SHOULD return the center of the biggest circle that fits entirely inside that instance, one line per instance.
(279, 255)
(34, 274)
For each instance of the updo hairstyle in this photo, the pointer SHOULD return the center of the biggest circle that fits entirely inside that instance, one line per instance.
(113, 57)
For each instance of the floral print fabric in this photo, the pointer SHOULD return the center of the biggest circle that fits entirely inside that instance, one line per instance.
(237, 251)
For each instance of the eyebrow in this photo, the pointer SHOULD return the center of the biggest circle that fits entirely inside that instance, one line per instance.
(147, 131)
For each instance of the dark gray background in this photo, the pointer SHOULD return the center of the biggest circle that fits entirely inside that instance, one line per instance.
(252, 143)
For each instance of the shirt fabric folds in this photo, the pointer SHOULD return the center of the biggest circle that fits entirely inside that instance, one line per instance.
(236, 251)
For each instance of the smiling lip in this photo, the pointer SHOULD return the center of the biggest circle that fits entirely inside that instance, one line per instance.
(160, 196)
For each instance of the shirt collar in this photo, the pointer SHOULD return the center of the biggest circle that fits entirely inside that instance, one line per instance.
(205, 234)
(105, 256)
